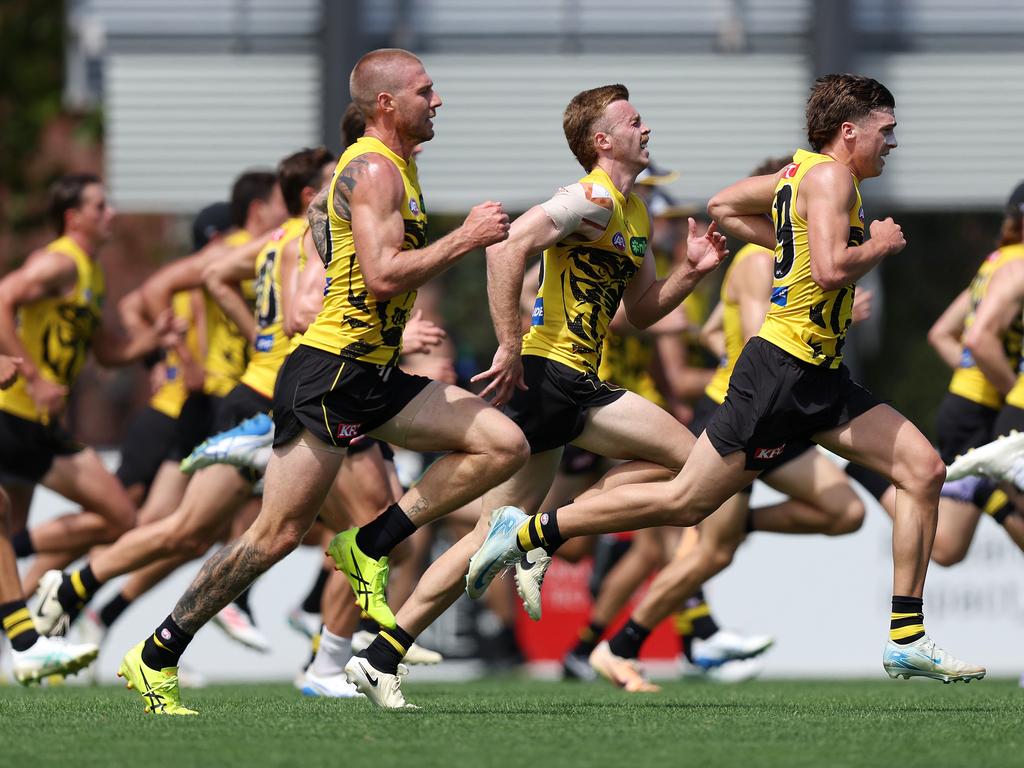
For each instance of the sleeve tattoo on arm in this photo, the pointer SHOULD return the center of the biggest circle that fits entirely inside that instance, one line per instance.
(319, 223)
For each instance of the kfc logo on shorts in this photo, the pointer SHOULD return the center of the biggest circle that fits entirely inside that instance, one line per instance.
(348, 430)
(619, 241)
(763, 454)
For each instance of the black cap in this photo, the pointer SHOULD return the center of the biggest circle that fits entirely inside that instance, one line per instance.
(1015, 204)
(214, 219)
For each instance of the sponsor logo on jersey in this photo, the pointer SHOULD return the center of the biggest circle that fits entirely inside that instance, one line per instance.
(265, 342)
(860, 214)
(790, 170)
(414, 207)
(638, 246)
(348, 430)
(780, 295)
(967, 359)
(619, 241)
(763, 454)
(537, 317)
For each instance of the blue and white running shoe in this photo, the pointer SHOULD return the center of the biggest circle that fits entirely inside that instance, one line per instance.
(247, 446)
(498, 551)
(922, 658)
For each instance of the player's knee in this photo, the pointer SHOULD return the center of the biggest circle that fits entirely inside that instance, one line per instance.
(716, 560)
(947, 554)
(923, 474)
(509, 448)
(850, 517)
(284, 540)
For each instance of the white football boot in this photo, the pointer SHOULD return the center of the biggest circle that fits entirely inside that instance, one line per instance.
(51, 656)
(529, 573)
(238, 625)
(382, 688)
(499, 550)
(922, 658)
(725, 646)
(247, 446)
(1002, 459)
(329, 687)
(47, 613)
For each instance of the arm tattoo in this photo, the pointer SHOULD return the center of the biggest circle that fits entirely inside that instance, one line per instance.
(221, 580)
(318, 224)
(418, 509)
(346, 184)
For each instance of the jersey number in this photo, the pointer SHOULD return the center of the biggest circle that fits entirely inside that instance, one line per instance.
(266, 296)
(786, 253)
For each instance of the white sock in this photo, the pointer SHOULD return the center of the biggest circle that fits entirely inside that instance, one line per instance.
(332, 655)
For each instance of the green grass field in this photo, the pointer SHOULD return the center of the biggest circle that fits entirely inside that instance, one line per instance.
(519, 722)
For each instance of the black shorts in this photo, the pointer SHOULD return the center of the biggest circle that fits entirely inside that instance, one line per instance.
(962, 424)
(241, 403)
(338, 399)
(363, 444)
(28, 448)
(195, 422)
(703, 410)
(553, 411)
(150, 439)
(777, 403)
(1010, 419)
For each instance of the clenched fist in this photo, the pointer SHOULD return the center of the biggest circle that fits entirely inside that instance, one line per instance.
(890, 234)
(486, 224)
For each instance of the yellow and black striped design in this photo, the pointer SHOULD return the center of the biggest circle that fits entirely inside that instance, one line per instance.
(353, 322)
(395, 643)
(227, 350)
(582, 282)
(17, 623)
(803, 318)
(906, 627)
(57, 331)
(271, 346)
(968, 381)
(732, 328)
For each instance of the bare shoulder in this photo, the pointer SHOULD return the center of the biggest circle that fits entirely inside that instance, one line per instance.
(830, 179)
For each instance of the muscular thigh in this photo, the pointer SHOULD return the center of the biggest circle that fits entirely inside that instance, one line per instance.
(633, 427)
(84, 479)
(443, 417)
(809, 477)
(881, 439)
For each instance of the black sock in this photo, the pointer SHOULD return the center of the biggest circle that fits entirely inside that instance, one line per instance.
(540, 531)
(164, 647)
(18, 626)
(699, 612)
(906, 622)
(590, 636)
(311, 604)
(628, 640)
(22, 543)
(113, 610)
(385, 532)
(366, 624)
(77, 589)
(388, 648)
(242, 601)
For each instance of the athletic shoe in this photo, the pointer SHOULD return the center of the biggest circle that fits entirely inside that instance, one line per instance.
(330, 687)
(499, 550)
(368, 577)
(922, 658)
(735, 671)
(304, 622)
(725, 646)
(417, 655)
(1002, 459)
(247, 446)
(577, 668)
(625, 673)
(239, 626)
(159, 687)
(530, 571)
(382, 688)
(51, 656)
(47, 613)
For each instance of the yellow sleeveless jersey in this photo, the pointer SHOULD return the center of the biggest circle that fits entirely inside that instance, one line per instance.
(732, 327)
(172, 394)
(968, 381)
(271, 346)
(353, 323)
(1015, 396)
(582, 282)
(805, 320)
(227, 350)
(57, 331)
(626, 362)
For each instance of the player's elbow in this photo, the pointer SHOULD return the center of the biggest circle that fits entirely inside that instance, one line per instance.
(973, 339)
(829, 279)
(718, 208)
(382, 287)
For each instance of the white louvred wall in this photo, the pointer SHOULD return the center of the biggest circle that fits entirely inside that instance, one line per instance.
(181, 127)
